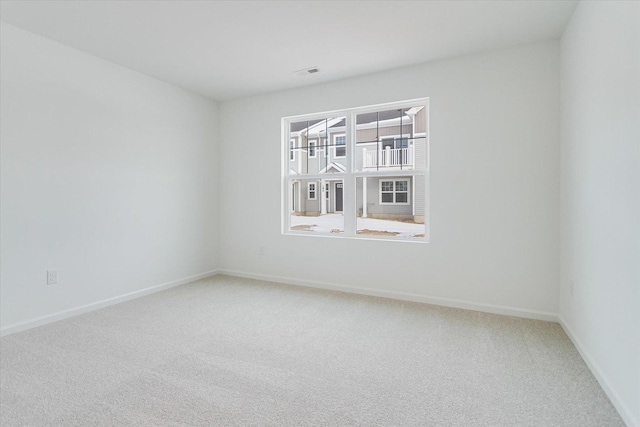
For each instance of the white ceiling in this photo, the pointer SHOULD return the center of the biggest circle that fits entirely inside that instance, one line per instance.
(230, 49)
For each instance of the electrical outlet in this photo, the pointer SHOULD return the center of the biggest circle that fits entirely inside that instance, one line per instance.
(261, 250)
(52, 277)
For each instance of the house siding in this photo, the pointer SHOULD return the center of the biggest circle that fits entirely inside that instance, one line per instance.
(421, 121)
(420, 153)
(419, 198)
(309, 207)
(374, 208)
(366, 135)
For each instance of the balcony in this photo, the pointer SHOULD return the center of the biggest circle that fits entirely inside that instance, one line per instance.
(388, 158)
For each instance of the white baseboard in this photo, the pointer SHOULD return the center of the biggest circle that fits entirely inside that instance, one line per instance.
(404, 296)
(623, 410)
(64, 314)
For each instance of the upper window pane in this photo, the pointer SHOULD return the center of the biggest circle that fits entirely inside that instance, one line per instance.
(321, 146)
(391, 140)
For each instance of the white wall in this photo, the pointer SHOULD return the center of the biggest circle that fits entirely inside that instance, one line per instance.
(107, 175)
(494, 183)
(601, 194)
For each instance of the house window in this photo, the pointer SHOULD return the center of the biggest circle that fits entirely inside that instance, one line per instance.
(394, 191)
(369, 177)
(340, 142)
(395, 143)
(312, 149)
(311, 191)
(292, 153)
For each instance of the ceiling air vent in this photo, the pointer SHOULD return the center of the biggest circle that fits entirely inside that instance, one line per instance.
(306, 71)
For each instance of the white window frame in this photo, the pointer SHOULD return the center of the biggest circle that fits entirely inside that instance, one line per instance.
(315, 190)
(315, 148)
(394, 192)
(335, 146)
(352, 173)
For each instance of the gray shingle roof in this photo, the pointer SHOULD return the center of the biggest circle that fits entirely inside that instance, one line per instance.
(371, 117)
(298, 126)
(360, 119)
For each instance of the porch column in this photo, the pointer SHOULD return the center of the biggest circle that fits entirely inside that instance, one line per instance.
(364, 197)
(323, 197)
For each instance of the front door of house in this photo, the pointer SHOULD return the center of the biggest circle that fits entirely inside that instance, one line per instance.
(339, 197)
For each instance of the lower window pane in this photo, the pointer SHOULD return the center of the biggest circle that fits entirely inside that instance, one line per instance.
(391, 213)
(316, 205)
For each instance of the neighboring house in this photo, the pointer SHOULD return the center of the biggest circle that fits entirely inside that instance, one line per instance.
(385, 141)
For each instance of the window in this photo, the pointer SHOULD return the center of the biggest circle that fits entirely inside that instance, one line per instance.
(395, 192)
(292, 146)
(311, 191)
(395, 143)
(369, 177)
(339, 141)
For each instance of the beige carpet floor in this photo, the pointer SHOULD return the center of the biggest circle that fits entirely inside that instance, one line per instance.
(228, 351)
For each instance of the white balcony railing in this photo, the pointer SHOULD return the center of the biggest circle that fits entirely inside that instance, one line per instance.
(388, 157)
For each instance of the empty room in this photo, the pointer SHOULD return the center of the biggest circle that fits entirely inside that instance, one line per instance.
(320, 213)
